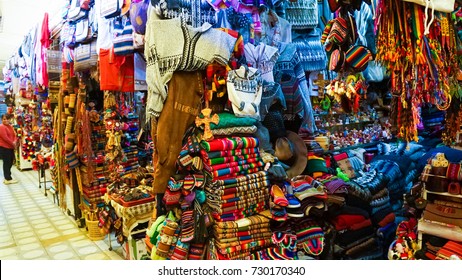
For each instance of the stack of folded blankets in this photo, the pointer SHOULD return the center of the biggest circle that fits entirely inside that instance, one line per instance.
(239, 186)
(229, 157)
(241, 238)
(130, 164)
(235, 198)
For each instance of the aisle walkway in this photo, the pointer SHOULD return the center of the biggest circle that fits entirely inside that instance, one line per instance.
(32, 227)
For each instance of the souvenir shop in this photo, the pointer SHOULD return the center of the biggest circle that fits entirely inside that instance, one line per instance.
(249, 130)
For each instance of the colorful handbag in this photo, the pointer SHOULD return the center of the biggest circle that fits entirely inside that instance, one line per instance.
(139, 15)
(123, 37)
(357, 57)
(68, 54)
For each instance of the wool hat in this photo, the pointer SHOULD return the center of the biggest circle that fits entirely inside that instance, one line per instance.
(315, 165)
(310, 237)
(292, 144)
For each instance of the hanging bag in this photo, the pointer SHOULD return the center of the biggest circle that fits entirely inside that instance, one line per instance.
(123, 37)
(445, 6)
(69, 36)
(111, 8)
(86, 57)
(139, 15)
(81, 30)
(75, 11)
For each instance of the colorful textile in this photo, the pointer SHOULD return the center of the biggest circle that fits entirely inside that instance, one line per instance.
(220, 163)
(234, 130)
(227, 153)
(262, 218)
(228, 120)
(220, 235)
(229, 143)
(239, 179)
(235, 171)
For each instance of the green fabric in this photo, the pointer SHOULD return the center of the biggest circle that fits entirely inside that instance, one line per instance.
(230, 120)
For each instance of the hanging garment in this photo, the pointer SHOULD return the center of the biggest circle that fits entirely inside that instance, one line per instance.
(244, 87)
(181, 107)
(172, 45)
(262, 57)
(288, 72)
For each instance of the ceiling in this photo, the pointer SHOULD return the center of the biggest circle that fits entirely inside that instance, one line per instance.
(18, 18)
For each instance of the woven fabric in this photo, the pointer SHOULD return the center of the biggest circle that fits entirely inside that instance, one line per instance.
(228, 120)
(302, 14)
(234, 130)
(229, 143)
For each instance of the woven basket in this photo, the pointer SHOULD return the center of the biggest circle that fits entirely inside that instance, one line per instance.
(94, 232)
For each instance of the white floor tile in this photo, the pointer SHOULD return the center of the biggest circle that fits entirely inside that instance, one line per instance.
(65, 256)
(98, 256)
(30, 246)
(32, 226)
(8, 252)
(33, 254)
(27, 240)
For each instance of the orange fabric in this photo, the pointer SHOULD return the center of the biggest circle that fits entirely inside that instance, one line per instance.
(116, 72)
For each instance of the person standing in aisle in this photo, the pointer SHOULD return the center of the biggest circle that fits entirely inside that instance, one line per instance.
(7, 146)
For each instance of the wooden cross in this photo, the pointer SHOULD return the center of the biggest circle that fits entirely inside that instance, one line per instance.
(208, 135)
(321, 83)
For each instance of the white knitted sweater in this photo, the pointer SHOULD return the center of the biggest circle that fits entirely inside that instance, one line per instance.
(172, 45)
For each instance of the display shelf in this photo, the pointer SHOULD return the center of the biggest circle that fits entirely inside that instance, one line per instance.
(444, 231)
(439, 193)
(366, 145)
(451, 232)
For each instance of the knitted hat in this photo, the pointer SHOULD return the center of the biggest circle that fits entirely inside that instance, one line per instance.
(315, 164)
(310, 237)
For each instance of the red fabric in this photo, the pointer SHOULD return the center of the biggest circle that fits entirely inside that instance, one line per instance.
(116, 72)
(7, 136)
(345, 221)
(360, 225)
(340, 156)
(46, 42)
(390, 218)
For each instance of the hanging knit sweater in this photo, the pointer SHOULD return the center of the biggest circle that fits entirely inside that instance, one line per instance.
(288, 72)
(171, 45)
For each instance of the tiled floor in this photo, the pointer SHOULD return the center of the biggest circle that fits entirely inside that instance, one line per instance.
(32, 227)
